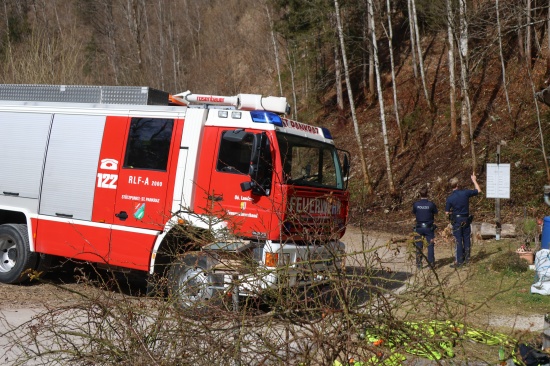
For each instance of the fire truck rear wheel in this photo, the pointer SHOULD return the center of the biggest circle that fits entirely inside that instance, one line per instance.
(188, 282)
(16, 256)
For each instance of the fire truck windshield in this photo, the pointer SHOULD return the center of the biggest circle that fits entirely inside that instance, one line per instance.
(309, 162)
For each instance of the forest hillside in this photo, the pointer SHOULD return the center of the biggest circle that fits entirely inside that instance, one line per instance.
(419, 91)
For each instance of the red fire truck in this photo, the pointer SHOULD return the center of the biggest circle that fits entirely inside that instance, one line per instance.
(185, 186)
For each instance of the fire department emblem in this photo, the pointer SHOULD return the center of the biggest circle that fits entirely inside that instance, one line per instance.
(139, 211)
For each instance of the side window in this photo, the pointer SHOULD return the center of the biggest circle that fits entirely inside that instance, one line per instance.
(148, 143)
(234, 157)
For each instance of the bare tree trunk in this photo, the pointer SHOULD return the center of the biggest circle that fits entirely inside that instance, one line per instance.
(291, 67)
(364, 57)
(338, 77)
(521, 45)
(452, 77)
(528, 42)
(194, 26)
(110, 31)
(305, 87)
(412, 38)
(366, 176)
(391, 185)
(134, 13)
(463, 52)
(158, 56)
(275, 49)
(8, 37)
(543, 149)
(148, 33)
(176, 55)
(548, 25)
(389, 35)
(420, 57)
(372, 86)
(503, 66)
(467, 130)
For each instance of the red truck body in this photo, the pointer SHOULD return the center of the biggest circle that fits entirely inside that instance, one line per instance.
(109, 182)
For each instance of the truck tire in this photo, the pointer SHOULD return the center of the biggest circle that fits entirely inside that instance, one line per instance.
(188, 282)
(16, 255)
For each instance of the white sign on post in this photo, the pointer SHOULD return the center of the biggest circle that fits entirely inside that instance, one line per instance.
(498, 181)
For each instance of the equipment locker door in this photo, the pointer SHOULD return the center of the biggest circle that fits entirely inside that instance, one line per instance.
(23, 139)
(142, 207)
(65, 224)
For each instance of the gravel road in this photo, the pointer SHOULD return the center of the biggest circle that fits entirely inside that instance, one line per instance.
(19, 303)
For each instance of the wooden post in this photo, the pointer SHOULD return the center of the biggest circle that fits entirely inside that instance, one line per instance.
(237, 335)
(497, 203)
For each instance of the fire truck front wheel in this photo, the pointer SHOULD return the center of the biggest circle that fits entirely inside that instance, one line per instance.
(16, 256)
(189, 284)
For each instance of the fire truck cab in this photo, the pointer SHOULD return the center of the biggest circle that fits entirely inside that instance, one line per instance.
(188, 186)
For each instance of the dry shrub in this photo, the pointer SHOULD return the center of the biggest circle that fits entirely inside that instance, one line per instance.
(108, 324)
(509, 262)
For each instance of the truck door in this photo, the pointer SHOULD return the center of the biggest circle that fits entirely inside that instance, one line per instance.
(219, 185)
(141, 207)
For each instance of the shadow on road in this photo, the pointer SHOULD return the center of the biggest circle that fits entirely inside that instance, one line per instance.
(69, 272)
(367, 282)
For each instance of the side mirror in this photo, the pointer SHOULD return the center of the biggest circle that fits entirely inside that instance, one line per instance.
(345, 168)
(343, 157)
(247, 186)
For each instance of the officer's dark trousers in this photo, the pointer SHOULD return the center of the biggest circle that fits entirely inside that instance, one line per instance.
(462, 232)
(424, 235)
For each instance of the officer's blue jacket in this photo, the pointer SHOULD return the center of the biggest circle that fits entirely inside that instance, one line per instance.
(458, 202)
(424, 211)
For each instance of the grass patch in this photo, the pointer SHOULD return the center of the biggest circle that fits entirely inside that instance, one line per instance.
(500, 282)
(495, 286)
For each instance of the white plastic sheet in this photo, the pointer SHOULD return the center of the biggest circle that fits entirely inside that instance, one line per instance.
(542, 268)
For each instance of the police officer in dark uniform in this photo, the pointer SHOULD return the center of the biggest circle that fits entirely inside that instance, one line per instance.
(425, 211)
(458, 207)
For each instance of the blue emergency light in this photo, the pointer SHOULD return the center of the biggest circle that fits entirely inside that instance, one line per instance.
(266, 117)
(326, 133)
